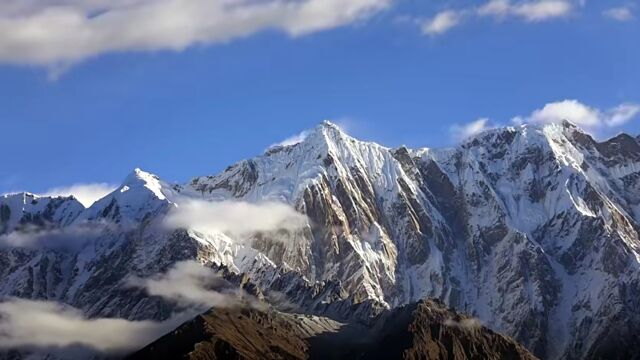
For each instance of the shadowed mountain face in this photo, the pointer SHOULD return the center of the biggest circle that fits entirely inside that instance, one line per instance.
(421, 330)
(531, 229)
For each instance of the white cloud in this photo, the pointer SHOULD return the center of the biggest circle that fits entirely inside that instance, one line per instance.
(295, 139)
(498, 8)
(467, 324)
(235, 217)
(86, 194)
(441, 23)
(571, 110)
(464, 131)
(66, 238)
(529, 11)
(532, 11)
(542, 10)
(589, 118)
(596, 121)
(621, 114)
(42, 324)
(191, 284)
(622, 13)
(64, 32)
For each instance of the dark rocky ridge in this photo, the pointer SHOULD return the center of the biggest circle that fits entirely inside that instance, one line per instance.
(423, 330)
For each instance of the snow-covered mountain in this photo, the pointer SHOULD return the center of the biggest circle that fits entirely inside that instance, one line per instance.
(532, 229)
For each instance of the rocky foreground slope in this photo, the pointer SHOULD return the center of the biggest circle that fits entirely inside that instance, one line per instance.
(423, 330)
(531, 229)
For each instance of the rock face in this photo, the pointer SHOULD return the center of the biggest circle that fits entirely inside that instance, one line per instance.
(531, 229)
(417, 331)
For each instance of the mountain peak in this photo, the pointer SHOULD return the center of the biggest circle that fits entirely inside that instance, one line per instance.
(327, 133)
(140, 193)
(330, 125)
(139, 178)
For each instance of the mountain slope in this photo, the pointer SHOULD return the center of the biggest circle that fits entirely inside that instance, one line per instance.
(531, 229)
(423, 329)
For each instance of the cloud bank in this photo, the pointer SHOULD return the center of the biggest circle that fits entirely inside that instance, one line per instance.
(64, 32)
(86, 194)
(234, 217)
(66, 238)
(28, 324)
(42, 324)
(189, 284)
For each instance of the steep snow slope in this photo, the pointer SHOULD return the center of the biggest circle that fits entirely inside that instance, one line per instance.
(533, 229)
(530, 228)
(22, 209)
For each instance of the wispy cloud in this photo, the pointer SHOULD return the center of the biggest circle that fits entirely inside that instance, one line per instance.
(292, 140)
(67, 238)
(466, 324)
(592, 119)
(528, 11)
(42, 324)
(588, 117)
(533, 11)
(190, 284)
(37, 33)
(622, 13)
(442, 22)
(235, 217)
(87, 194)
(461, 132)
(28, 324)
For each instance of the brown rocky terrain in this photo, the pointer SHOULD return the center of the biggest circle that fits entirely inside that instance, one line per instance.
(422, 330)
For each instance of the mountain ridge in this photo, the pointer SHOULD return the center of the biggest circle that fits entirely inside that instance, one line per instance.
(532, 228)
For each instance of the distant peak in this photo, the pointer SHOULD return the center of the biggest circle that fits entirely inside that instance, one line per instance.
(328, 130)
(568, 124)
(329, 124)
(139, 176)
(330, 127)
(21, 197)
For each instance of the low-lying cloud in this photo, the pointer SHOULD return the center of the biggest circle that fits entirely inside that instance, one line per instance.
(45, 325)
(466, 324)
(66, 238)
(190, 284)
(235, 218)
(42, 324)
(464, 131)
(32, 324)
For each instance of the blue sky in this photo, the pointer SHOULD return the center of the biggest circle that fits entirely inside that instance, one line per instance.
(86, 109)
